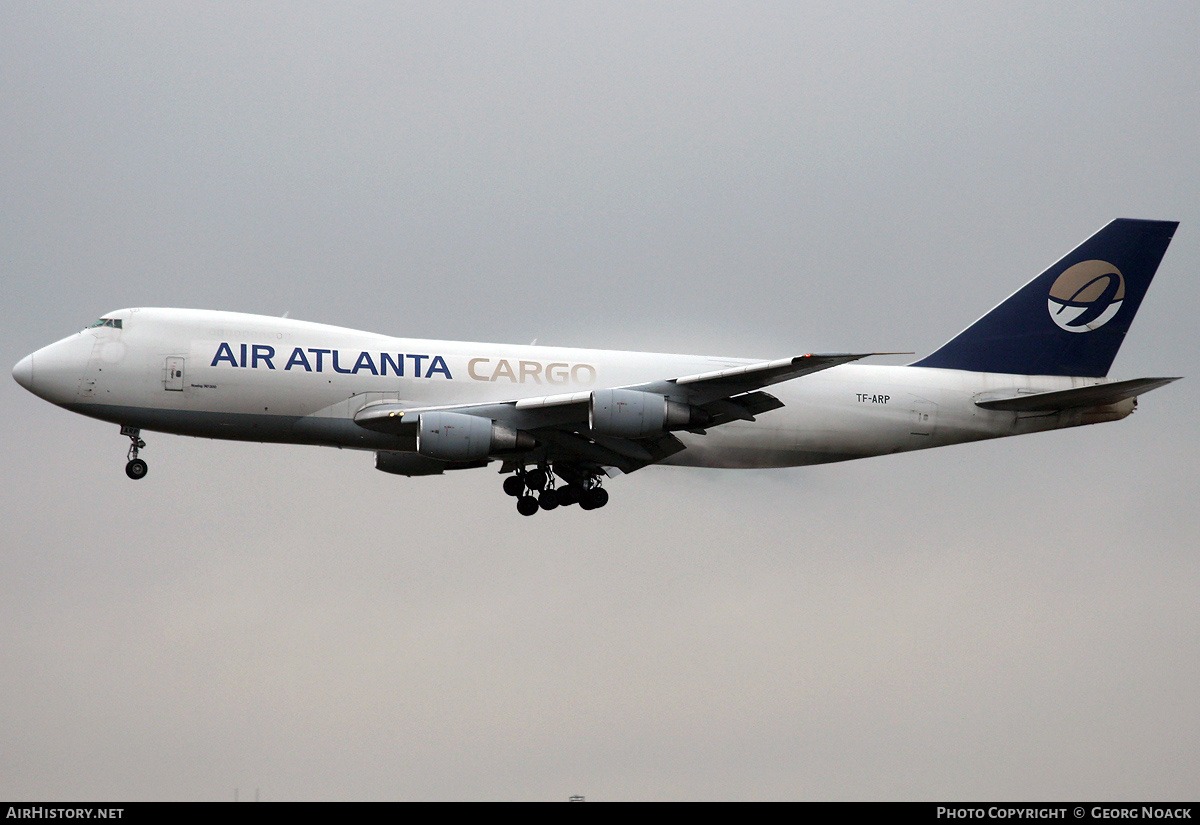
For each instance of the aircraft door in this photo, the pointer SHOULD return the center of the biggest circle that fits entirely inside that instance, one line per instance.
(173, 374)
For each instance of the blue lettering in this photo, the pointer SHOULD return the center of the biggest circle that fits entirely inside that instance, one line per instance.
(318, 353)
(397, 365)
(298, 359)
(364, 362)
(264, 352)
(438, 365)
(224, 353)
(255, 355)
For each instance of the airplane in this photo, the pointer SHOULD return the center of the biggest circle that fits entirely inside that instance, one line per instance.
(560, 421)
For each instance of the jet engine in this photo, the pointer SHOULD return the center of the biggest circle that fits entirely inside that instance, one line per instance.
(452, 436)
(635, 414)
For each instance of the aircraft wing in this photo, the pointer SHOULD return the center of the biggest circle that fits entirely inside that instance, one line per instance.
(562, 426)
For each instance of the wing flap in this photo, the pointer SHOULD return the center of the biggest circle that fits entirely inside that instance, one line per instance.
(625, 454)
(740, 407)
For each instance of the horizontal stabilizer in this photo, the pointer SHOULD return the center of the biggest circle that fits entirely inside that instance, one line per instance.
(1096, 395)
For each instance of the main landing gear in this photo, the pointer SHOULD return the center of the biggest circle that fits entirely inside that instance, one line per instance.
(136, 468)
(536, 490)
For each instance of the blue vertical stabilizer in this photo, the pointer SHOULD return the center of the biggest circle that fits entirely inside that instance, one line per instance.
(1071, 319)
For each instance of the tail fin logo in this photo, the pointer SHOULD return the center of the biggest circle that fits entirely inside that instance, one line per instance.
(1086, 296)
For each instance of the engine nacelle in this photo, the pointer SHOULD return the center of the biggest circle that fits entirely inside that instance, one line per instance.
(634, 414)
(403, 463)
(451, 436)
(408, 464)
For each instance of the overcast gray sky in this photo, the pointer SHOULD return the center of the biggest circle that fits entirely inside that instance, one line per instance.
(1009, 620)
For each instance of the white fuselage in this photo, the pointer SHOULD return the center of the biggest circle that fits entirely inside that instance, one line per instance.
(237, 376)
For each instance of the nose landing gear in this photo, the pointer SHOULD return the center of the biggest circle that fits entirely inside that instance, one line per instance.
(136, 468)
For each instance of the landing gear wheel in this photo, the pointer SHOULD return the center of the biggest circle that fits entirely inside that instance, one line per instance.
(548, 500)
(567, 495)
(527, 505)
(592, 496)
(136, 469)
(536, 479)
(514, 485)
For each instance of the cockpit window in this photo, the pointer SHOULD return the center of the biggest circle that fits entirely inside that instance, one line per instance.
(115, 323)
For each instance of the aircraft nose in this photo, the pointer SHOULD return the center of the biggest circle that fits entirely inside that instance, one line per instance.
(23, 372)
(54, 372)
